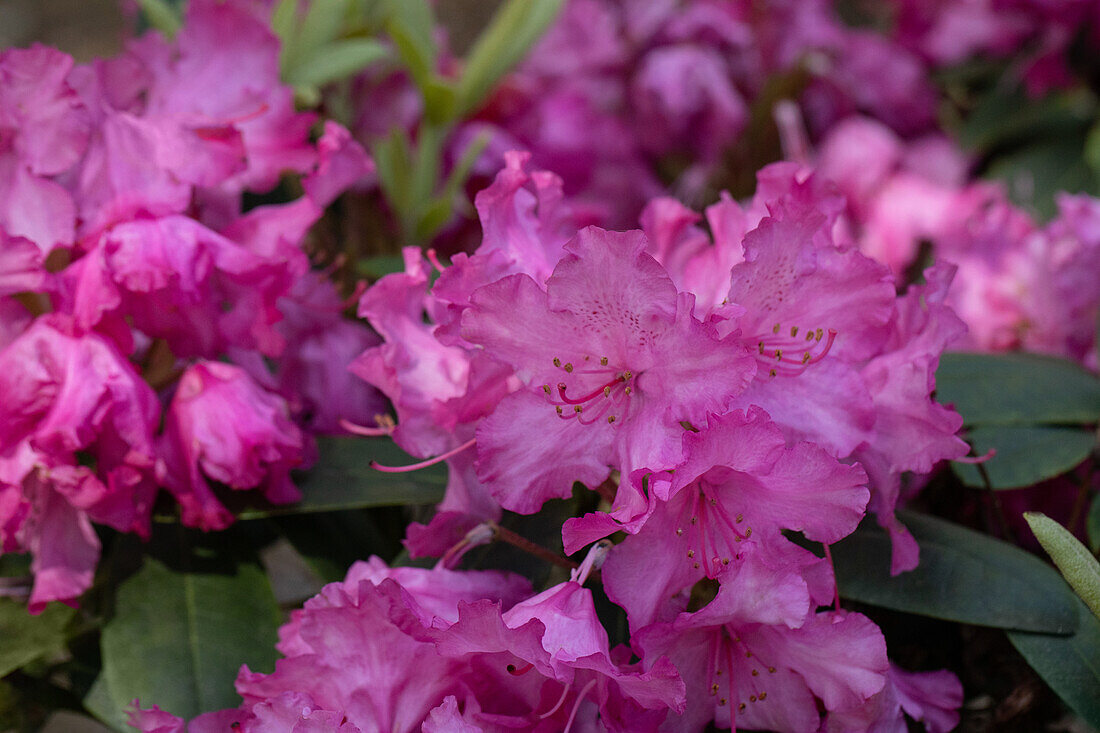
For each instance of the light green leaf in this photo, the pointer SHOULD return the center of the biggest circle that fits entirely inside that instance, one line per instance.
(161, 15)
(343, 479)
(335, 61)
(963, 576)
(1017, 389)
(24, 638)
(323, 22)
(1026, 454)
(98, 702)
(1080, 569)
(178, 639)
(411, 25)
(1069, 664)
(514, 29)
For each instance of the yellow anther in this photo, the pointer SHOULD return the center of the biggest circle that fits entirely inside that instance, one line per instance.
(557, 362)
(627, 375)
(739, 518)
(714, 689)
(752, 698)
(779, 354)
(606, 391)
(772, 372)
(679, 531)
(695, 565)
(603, 361)
(775, 328)
(628, 391)
(810, 335)
(806, 357)
(558, 408)
(771, 669)
(741, 707)
(748, 532)
(578, 408)
(569, 366)
(610, 419)
(722, 701)
(546, 389)
(763, 695)
(794, 331)
(756, 673)
(818, 334)
(691, 553)
(760, 346)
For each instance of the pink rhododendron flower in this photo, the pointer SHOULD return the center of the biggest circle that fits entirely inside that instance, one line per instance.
(222, 426)
(932, 698)
(44, 129)
(614, 361)
(69, 397)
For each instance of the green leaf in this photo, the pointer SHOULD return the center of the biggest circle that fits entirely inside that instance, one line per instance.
(1080, 569)
(380, 266)
(335, 61)
(1069, 664)
(178, 639)
(343, 479)
(24, 638)
(161, 15)
(514, 29)
(323, 23)
(98, 702)
(411, 25)
(1017, 389)
(963, 576)
(433, 218)
(1092, 524)
(1026, 454)
(1003, 118)
(1037, 171)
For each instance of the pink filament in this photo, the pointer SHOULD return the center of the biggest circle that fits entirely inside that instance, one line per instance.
(424, 464)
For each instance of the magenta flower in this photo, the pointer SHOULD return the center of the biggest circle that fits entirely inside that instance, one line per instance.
(932, 698)
(615, 362)
(69, 397)
(222, 426)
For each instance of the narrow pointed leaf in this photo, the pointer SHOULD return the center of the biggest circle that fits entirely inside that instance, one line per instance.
(1080, 569)
(1069, 664)
(514, 29)
(1026, 454)
(161, 16)
(178, 639)
(963, 576)
(1017, 389)
(335, 61)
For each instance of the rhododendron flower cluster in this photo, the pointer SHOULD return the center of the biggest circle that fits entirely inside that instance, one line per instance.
(122, 227)
(714, 422)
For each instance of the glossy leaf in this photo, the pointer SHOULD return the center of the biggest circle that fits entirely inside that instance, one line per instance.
(1026, 454)
(1080, 569)
(1069, 664)
(343, 479)
(963, 576)
(178, 639)
(1017, 389)
(514, 29)
(1005, 117)
(26, 637)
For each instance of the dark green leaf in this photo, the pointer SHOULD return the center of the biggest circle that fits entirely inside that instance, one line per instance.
(343, 479)
(1036, 172)
(1026, 454)
(24, 638)
(178, 639)
(963, 576)
(376, 267)
(1069, 664)
(1077, 565)
(1093, 525)
(1006, 117)
(1017, 389)
(514, 29)
(335, 61)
